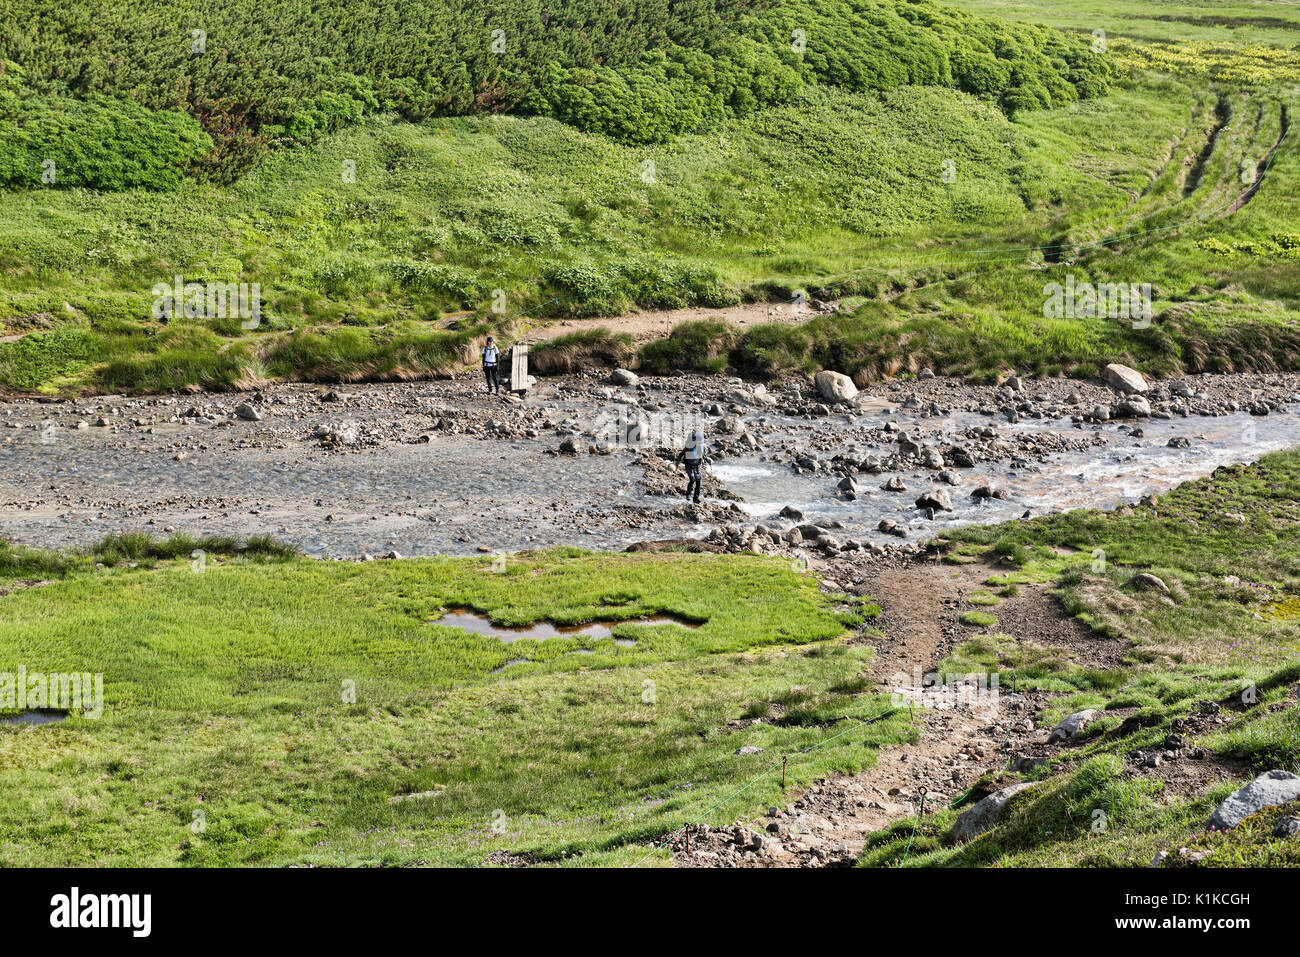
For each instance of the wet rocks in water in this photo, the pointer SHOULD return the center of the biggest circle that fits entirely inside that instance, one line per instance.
(890, 527)
(936, 498)
(1125, 379)
(1270, 789)
(988, 491)
(1179, 442)
(835, 387)
(791, 513)
(895, 484)
(1289, 826)
(961, 457)
(1135, 407)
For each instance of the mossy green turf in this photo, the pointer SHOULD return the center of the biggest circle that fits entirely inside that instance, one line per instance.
(224, 695)
(1210, 640)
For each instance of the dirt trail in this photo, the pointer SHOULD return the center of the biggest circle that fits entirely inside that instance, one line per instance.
(827, 825)
(647, 326)
(1261, 169)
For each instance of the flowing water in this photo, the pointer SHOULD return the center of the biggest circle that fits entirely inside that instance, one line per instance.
(463, 495)
(1103, 477)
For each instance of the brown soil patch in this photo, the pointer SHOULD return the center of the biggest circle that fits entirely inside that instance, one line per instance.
(655, 324)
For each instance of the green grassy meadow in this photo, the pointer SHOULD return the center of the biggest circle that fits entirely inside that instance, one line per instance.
(225, 695)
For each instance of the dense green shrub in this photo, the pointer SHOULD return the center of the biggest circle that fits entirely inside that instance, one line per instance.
(700, 346)
(101, 142)
(261, 72)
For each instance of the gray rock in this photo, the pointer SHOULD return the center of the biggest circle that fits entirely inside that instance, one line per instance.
(892, 528)
(247, 413)
(835, 387)
(1289, 826)
(1073, 726)
(1136, 407)
(1125, 379)
(937, 499)
(1268, 790)
(985, 815)
(624, 377)
(1145, 581)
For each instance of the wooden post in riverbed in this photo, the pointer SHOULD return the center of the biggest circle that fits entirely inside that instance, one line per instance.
(518, 368)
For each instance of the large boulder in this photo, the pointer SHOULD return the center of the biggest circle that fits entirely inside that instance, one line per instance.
(834, 386)
(1268, 790)
(624, 377)
(984, 816)
(937, 499)
(1135, 407)
(1124, 379)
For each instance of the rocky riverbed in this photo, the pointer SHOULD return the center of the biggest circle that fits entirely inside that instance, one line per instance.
(440, 468)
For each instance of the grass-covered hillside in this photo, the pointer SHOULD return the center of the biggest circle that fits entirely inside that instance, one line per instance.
(932, 168)
(258, 73)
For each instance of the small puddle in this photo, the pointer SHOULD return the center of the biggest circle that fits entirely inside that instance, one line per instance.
(40, 716)
(478, 624)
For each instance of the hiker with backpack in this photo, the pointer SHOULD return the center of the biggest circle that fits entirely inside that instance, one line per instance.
(491, 366)
(692, 455)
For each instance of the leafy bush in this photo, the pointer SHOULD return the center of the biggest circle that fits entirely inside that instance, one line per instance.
(700, 346)
(641, 71)
(101, 142)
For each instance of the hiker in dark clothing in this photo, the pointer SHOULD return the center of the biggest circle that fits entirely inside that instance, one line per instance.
(692, 454)
(491, 358)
